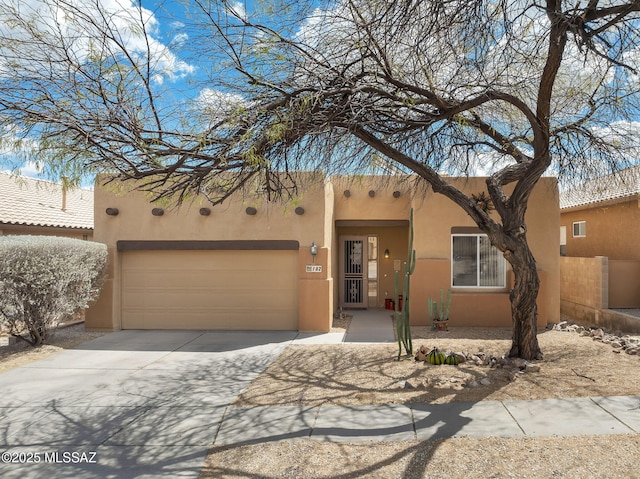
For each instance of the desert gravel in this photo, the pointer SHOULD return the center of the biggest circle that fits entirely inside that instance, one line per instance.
(350, 374)
(573, 366)
(20, 353)
(584, 457)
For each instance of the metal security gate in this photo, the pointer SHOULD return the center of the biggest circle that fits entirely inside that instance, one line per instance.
(353, 272)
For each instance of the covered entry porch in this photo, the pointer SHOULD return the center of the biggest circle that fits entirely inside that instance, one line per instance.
(368, 253)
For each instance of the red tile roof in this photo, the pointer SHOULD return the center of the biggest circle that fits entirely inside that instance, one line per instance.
(29, 201)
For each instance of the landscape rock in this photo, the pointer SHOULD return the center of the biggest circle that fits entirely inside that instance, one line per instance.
(516, 366)
(513, 374)
(518, 363)
(462, 358)
(630, 344)
(532, 368)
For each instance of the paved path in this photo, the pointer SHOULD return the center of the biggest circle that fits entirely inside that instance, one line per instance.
(394, 422)
(149, 404)
(370, 326)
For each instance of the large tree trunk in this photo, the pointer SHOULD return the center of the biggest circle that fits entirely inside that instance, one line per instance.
(524, 310)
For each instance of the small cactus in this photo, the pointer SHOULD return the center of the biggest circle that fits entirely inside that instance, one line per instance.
(439, 312)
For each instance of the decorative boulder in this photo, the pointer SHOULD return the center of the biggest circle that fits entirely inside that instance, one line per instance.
(422, 353)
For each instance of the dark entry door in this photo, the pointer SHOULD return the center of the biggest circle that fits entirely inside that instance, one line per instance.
(353, 272)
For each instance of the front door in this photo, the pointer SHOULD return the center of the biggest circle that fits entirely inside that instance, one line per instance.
(353, 272)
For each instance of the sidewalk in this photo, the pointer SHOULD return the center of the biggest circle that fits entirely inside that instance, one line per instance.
(394, 422)
(150, 404)
(367, 326)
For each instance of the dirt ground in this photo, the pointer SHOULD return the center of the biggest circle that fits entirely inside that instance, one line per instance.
(20, 353)
(573, 366)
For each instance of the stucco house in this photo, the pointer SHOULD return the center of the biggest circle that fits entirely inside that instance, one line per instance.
(30, 206)
(251, 264)
(599, 231)
(602, 217)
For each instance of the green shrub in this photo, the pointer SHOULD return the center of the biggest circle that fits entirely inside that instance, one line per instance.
(45, 279)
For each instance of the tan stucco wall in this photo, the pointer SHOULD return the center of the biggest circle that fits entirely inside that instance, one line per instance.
(624, 283)
(228, 221)
(315, 291)
(325, 203)
(584, 281)
(612, 231)
(592, 285)
(383, 206)
(599, 283)
(435, 215)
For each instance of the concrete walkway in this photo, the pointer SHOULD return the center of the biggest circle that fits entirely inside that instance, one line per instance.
(130, 404)
(149, 404)
(370, 326)
(394, 422)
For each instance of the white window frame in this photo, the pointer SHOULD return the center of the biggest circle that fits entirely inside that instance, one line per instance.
(501, 258)
(582, 229)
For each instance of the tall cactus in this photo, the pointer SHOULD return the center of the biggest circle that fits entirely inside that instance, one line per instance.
(403, 324)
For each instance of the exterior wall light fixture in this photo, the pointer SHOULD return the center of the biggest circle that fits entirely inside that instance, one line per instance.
(372, 193)
(299, 210)
(386, 254)
(157, 212)
(314, 251)
(205, 211)
(112, 211)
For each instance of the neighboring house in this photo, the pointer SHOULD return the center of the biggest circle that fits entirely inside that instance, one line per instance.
(248, 264)
(599, 232)
(29, 206)
(602, 217)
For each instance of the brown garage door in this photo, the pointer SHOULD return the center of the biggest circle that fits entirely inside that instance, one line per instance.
(250, 290)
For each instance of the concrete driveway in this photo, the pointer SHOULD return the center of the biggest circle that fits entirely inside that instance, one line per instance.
(144, 404)
(149, 404)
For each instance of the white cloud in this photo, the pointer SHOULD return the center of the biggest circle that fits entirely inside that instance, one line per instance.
(214, 104)
(76, 27)
(237, 9)
(484, 164)
(30, 168)
(179, 39)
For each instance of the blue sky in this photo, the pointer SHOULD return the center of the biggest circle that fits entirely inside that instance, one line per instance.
(170, 29)
(172, 36)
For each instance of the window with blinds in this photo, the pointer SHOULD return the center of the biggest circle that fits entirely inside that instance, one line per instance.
(580, 229)
(476, 263)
